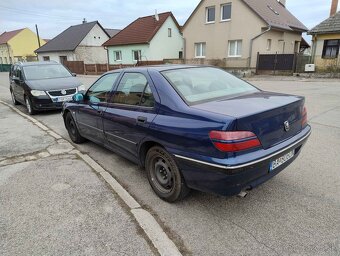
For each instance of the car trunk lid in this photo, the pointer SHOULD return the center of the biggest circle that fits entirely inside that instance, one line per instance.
(272, 117)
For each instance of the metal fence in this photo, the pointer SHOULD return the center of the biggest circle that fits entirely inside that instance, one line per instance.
(5, 67)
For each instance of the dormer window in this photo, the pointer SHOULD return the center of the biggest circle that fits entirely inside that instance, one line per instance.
(210, 14)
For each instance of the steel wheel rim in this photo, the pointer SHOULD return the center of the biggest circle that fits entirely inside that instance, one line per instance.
(162, 175)
(71, 127)
(28, 105)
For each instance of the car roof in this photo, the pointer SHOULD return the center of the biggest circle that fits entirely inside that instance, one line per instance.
(36, 63)
(158, 68)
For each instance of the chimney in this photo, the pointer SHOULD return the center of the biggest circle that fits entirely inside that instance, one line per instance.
(84, 21)
(334, 7)
(282, 2)
(156, 15)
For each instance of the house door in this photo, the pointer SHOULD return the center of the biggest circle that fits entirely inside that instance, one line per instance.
(62, 59)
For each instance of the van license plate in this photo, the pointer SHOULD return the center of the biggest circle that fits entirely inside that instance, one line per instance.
(280, 161)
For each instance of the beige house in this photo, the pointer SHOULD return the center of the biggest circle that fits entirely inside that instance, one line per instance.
(230, 33)
(326, 42)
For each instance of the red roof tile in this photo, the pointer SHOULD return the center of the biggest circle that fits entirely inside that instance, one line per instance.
(6, 36)
(141, 31)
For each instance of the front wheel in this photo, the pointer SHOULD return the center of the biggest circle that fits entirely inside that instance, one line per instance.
(29, 106)
(15, 102)
(73, 130)
(164, 175)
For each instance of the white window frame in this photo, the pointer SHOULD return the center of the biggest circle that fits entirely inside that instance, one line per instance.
(236, 49)
(201, 56)
(269, 44)
(115, 56)
(206, 15)
(139, 55)
(223, 20)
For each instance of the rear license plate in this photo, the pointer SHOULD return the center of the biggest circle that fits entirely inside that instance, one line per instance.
(281, 160)
(63, 99)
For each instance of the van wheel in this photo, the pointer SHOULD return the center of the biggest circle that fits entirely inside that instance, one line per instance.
(15, 102)
(164, 175)
(73, 130)
(29, 106)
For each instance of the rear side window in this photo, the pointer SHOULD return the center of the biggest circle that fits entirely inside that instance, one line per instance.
(196, 85)
(101, 89)
(134, 89)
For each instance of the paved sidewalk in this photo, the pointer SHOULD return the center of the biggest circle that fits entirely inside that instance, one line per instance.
(51, 201)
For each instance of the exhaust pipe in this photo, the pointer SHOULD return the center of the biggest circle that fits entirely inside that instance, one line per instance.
(242, 194)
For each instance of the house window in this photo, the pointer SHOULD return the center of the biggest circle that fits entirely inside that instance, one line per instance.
(137, 55)
(0, 60)
(117, 56)
(5, 60)
(269, 44)
(62, 59)
(169, 32)
(226, 12)
(46, 58)
(210, 14)
(235, 48)
(331, 49)
(200, 50)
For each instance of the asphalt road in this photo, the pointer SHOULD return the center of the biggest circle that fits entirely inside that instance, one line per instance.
(295, 213)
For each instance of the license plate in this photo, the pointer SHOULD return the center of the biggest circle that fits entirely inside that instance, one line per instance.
(281, 160)
(63, 99)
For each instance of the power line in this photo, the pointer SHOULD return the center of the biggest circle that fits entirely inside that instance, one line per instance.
(38, 13)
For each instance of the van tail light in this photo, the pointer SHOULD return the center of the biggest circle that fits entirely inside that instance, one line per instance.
(304, 117)
(234, 141)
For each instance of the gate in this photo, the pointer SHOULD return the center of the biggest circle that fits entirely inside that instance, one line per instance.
(75, 66)
(275, 62)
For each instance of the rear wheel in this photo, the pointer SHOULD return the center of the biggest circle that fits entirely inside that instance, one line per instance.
(164, 176)
(29, 106)
(73, 130)
(15, 102)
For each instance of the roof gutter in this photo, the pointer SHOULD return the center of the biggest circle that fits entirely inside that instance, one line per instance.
(252, 42)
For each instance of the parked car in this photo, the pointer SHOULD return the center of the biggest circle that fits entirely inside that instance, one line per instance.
(191, 127)
(42, 85)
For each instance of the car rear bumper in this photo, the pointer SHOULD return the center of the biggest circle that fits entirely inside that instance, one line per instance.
(231, 176)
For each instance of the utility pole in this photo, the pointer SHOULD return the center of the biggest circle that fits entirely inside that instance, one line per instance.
(36, 28)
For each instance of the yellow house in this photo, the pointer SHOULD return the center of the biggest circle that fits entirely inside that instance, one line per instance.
(18, 45)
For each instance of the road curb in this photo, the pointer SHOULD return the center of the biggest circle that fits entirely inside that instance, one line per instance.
(146, 221)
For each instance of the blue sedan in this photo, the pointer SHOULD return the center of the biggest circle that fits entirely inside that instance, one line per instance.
(191, 127)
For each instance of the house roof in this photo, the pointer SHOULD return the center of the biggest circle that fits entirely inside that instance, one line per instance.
(69, 39)
(273, 13)
(112, 32)
(141, 31)
(6, 36)
(328, 26)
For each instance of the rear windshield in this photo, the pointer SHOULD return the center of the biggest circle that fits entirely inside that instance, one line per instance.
(46, 72)
(204, 84)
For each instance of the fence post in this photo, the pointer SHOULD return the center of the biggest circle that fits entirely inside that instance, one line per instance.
(295, 62)
(257, 63)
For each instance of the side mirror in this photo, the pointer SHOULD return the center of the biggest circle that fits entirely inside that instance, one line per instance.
(79, 97)
(74, 74)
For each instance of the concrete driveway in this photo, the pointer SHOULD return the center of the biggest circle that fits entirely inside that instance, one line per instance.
(296, 213)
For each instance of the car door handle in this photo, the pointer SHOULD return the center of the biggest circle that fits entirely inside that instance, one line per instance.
(141, 119)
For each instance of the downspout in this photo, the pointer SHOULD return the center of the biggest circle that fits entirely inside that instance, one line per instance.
(252, 41)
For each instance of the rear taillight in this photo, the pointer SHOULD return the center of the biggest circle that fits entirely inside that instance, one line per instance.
(304, 117)
(234, 141)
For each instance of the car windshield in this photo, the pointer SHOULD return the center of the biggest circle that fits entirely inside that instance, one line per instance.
(203, 84)
(37, 72)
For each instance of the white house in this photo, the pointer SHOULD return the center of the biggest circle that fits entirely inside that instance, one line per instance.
(77, 43)
(150, 38)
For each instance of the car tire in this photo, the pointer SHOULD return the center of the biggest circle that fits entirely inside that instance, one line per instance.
(164, 175)
(29, 106)
(73, 130)
(15, 102)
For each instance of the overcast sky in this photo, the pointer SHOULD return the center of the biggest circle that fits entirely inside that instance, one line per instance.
(54, 16)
